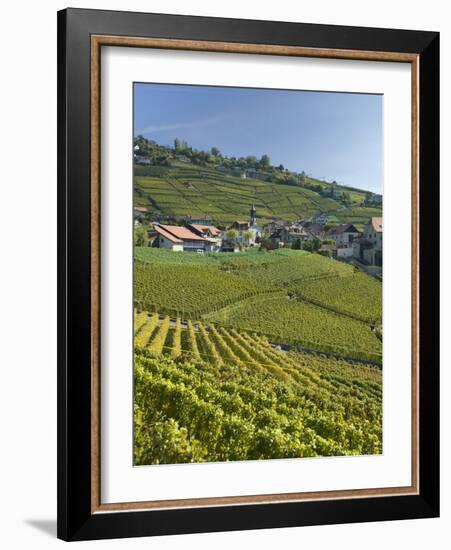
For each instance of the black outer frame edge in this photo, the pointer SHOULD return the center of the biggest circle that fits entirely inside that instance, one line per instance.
(62, 465)
(429, 179)
(74, 298)
(75, 521)
(258, 516)
(252, 31)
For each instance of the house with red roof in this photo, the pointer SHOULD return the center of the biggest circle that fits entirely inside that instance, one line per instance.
(211, 234)
(193, 238)
(167, 239)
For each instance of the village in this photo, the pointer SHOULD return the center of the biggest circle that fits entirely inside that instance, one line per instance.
(320, 234)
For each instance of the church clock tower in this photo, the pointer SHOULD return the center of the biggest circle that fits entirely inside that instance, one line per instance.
(253, 216)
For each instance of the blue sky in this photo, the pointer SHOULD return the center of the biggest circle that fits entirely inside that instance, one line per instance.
(336, 136)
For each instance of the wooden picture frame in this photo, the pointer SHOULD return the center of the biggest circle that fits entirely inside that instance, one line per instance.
(81, 35)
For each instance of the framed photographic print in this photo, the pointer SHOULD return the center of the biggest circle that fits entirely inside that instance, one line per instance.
(248, 274)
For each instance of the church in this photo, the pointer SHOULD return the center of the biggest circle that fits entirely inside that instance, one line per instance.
(249, 232)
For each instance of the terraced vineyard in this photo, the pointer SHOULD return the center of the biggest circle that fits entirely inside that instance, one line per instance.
(188, 190)
(190, 289)
(216, 394)
(358, 295)
(303, 324)
(274, 267)
(157, 256)
(291, 265)
(291, 296)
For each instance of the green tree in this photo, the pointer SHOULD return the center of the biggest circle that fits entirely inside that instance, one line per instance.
(368, 198)
(346, 198)
(291, 180)
(313, 245)
(215, 152)
(316, 244)
(267, 244)
(163, 160)
(297, 245)
(180, 145)
(265, 161)
(140, 236)
(248, 235)
(232, 234)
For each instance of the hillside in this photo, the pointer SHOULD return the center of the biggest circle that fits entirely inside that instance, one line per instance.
(188, 190)
(291, 296)
(262, 354)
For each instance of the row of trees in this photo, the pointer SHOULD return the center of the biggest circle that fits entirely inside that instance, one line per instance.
(232, 234)
(214, 155)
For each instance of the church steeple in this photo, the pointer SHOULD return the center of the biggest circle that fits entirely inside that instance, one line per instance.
(253, 216)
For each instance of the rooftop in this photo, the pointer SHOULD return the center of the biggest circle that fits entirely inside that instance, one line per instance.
(376, 224)
(343, 228)
(180, 232)
(204, 228)
(159, 229)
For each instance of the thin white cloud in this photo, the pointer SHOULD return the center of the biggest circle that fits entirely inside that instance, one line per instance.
(180, 125)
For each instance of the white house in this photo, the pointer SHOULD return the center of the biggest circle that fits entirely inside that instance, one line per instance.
(343, 235)
(373, 232)
(343, 253)
(165, 239)
(324, 219)
(257, 174)
(194, 238)
(289, 235)
(145, 161)
(369, 247)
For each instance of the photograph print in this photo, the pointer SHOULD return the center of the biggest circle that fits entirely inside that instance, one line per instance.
(258, 230)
